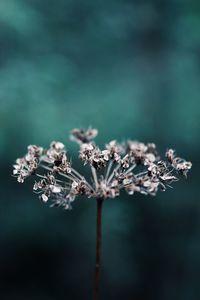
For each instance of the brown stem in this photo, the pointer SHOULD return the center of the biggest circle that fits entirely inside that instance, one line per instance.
(98, 248)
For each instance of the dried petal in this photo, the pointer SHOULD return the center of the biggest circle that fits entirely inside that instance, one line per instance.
(44, 198)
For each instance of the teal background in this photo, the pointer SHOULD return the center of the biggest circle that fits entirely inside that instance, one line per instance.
(131, 69)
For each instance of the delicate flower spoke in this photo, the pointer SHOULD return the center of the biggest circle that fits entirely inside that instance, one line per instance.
(141, 174)
(61, 174)
(109, 169)
(113, 173)
(94, 174)
(78, 174)
(130, 169)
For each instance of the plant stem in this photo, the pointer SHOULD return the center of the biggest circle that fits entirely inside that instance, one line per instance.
(98, 247)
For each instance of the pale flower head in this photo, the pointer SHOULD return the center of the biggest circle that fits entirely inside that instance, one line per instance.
(131, 166)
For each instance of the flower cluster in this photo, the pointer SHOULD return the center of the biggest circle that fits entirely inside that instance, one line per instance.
(178, 163)
(47, 186)
(91, 154)
(26, 166)
(56, 155)
(132, 166)
(83, 136)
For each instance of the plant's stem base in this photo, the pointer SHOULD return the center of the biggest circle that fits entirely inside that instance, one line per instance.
(98, 247)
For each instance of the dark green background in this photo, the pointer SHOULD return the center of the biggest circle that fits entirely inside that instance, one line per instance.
(131, 69)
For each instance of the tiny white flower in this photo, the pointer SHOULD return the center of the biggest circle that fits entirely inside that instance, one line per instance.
(105, 154)
(20, 179)
(58, 146)
(74, 184)
(169, 178)
(149, 158)
(87, 147)
(15, 172)
(29, 157)
(127, 181)
(16, 167)
(130, 192)
(55, 188)
(44, 197)
(35, 187)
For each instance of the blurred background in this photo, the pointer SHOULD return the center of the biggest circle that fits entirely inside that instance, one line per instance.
(132, 70)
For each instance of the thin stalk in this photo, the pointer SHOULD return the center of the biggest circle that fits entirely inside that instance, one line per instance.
(57, 180)
(71, 177)
(98, 248)
(130, 169)
(113, 173)
(94, 174)
(142, 173)
(61, 174)
(82, 178)
(77, 174)
(108, 169)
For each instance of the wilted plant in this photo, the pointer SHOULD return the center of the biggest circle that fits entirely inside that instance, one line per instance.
(132, 166)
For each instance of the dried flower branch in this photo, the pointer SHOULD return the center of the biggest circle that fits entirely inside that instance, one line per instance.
(119, 160)
(132, 166)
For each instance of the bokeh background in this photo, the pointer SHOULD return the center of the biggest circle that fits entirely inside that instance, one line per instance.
(131, 69)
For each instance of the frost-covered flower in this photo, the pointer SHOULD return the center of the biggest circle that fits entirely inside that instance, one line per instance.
(47, 187)
(56, 155)
(21, 170)
(107, 190)
(91, 154)
(35, 151)
(132, 166)
(86, 151)
(115, 150)
(170, 154)
(26, 165)
(137, 150)
(126, 162)
(181, 165)
(83, 136)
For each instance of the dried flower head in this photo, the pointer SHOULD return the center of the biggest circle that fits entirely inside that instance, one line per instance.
(132, 166)
(82, 135)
